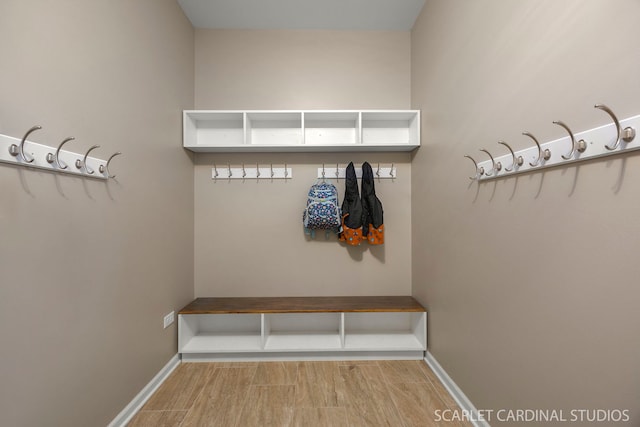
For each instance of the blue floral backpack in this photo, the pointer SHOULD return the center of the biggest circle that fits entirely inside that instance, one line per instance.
(323, 210)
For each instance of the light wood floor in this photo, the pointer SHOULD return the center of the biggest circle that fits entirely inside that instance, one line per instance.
(368, 393)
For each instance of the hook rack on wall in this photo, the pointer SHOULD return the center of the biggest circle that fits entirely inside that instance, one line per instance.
(336, 172)
(22, 152)
(607, 140)
(252, 171)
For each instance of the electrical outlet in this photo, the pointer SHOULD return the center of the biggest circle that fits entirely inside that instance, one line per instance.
(168, 319)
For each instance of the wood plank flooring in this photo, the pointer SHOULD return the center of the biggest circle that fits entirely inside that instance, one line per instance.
(300, 394)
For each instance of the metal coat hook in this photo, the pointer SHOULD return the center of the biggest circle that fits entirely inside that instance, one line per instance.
(580, 146)
(105, 168)
(516, 161)
(337, 170)
(625, 135)
(250, 171)
(83, 162)
(14, 149)
(479, 171)
(55, 157)
(391, 171)
(546, 154)
(496, 167)
(570, 147)
(378, 171)
(323, 174)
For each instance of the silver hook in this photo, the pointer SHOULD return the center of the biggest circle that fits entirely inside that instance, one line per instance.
(337, 170)
(244, 173)
(51, 157)
(391, 171)
(546, 154)
(286, 171)
(257, 171)
(229, 170)
(83, 162)
(105, 168)
(495, 167)
(516, 161)
(322, 171)
(14, 149)
(271, 170)
(581, 145)
(479, 171)
(215, 170)
(378, 171)
(625, 135)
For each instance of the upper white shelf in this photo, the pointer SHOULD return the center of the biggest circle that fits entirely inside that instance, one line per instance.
(270, 130)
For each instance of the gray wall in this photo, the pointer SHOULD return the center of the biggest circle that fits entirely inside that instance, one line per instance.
(249, 239)
(307, 69)
(531, 282)
(89, 268)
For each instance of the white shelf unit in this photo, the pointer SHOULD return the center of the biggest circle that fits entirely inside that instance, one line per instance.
(299, 131)
(334, 335)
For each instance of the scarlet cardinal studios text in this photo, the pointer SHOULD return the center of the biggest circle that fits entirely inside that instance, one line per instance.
(534, 415)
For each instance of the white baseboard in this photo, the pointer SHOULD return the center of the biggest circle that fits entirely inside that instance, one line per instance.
(461, 399)
(134, 406)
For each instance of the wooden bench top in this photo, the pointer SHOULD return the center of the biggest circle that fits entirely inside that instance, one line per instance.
(302, 305)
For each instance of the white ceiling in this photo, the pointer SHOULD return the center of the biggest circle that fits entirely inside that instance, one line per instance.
(303, 14)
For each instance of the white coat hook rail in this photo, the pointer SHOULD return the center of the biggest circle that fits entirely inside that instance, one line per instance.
(614, 138)
(253, 171)
(337, 172)
(22, 152)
